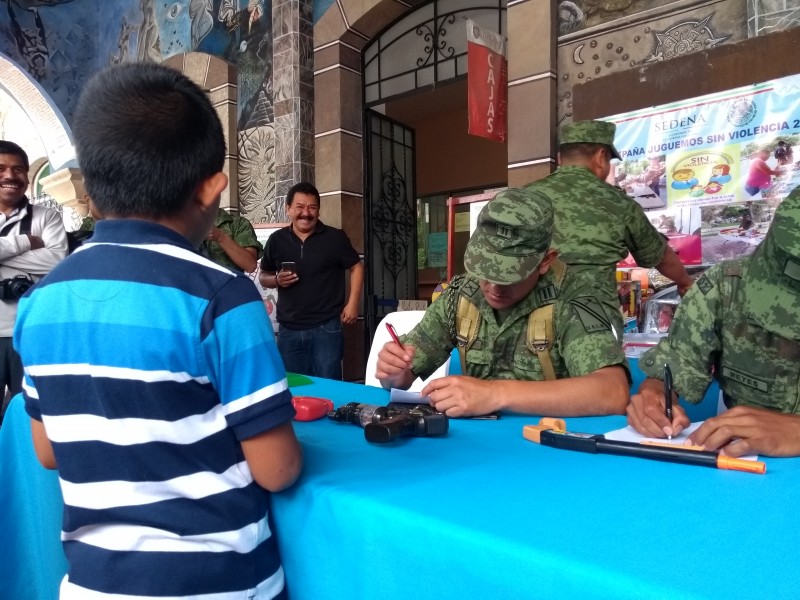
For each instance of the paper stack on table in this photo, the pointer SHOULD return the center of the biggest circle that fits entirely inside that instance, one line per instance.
(629, 434)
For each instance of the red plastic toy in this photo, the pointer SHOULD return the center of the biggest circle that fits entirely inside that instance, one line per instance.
(309, 408)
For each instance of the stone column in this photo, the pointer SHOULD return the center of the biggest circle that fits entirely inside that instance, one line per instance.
(224, 96)
(293, 95)
(532, 93)
(218, 78)
(65, 186)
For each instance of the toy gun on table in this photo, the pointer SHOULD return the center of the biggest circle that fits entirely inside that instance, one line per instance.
(552, 432)
(383, 424)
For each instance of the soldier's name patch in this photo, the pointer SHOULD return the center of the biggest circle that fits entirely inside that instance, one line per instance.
(757, 383)
(591, 314)
(792, 269)
(704, 284)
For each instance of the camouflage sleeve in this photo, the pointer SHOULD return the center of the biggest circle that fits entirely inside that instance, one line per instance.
(433, 337)
(644, 241)
(694, 341)
(586, 338)
(243, 234)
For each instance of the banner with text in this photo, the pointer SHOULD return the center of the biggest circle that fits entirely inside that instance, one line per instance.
(487, 89)
(720, 162)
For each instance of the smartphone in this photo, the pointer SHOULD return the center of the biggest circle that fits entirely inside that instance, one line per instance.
(288, 266)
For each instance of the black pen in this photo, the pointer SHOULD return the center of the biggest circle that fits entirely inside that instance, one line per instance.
(668, 395)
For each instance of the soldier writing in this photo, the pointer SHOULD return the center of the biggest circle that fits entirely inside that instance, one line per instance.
(739, 324)
(534, 337)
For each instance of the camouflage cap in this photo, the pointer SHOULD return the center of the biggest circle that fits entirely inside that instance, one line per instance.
(511, 238)
(773, 281)
(589, 132)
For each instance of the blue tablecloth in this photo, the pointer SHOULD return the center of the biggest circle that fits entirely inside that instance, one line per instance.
(480, 513)
(31, 560)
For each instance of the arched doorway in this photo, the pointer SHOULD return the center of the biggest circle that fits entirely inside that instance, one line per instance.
(390, 114)
(41, 110)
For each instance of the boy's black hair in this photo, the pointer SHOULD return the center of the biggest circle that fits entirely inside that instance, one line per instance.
(7, 147)
(145, 137)
(301, 188)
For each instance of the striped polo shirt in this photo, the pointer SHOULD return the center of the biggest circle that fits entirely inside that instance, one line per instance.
(148, 364)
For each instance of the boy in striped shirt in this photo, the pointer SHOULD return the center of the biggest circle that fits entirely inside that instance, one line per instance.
(152, 377)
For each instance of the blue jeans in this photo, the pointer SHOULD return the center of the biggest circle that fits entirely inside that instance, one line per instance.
(317, 351)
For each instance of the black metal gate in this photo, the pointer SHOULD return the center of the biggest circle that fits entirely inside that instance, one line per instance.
(390, 235)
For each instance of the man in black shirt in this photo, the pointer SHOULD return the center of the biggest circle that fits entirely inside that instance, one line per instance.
(306, 261)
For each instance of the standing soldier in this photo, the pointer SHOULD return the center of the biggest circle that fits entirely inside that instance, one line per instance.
(596, 224)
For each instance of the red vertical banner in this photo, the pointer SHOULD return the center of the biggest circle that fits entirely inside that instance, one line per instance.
(487, 78)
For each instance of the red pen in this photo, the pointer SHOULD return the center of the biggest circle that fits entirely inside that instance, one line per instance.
(393, 333)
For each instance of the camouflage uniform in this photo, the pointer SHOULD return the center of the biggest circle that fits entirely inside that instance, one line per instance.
(584, 341)
(742, 318)
(509, 243)
(596, 224)
(240, 230)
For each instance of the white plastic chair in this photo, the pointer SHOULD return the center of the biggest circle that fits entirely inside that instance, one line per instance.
(403, 322)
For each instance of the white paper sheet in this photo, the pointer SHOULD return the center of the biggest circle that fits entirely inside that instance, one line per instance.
(629, 434)
(406, 397)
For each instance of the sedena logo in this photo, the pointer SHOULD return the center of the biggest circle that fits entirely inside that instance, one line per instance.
(741, 112)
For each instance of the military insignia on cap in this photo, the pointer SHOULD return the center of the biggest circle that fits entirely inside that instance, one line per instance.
(504, 231)
(705, 285)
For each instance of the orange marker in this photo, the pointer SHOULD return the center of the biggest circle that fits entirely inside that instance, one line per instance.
(549, 434)
(739, 464)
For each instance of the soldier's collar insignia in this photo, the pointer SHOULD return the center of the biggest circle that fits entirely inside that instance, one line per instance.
(547, 293)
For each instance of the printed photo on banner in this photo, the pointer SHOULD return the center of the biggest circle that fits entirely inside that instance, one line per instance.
(734, 230)
(729, 155)
(643, 179)
(682, 227)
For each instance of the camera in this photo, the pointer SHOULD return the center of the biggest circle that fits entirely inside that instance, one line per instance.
(15, 287)
(383, 424)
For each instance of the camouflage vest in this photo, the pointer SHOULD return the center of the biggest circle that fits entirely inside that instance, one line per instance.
(757, 367)
(541, 331)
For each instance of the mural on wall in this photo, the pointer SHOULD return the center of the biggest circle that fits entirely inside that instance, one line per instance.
(257, 176)
(664, 32)
(574, 15)
(62, 43)
(684, 38)
(239, 31)
(766, 16)
(54, 44)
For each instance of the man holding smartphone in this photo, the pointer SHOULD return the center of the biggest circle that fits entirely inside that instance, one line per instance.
(306, 261)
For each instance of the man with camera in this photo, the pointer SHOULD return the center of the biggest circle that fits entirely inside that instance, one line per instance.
(32, 242)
